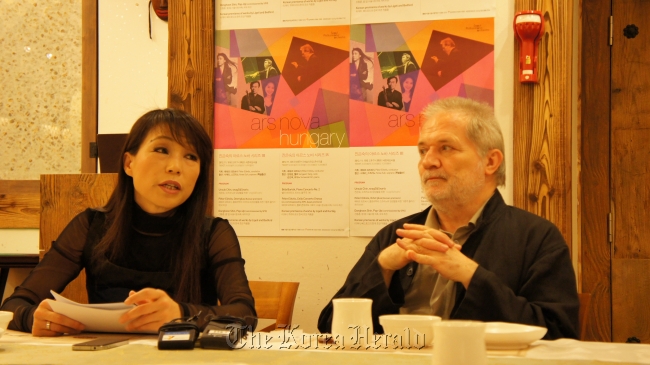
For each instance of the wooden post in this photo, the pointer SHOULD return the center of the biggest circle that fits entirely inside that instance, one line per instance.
(191, 59)
(595, 251)
(191, 62)
(88, 83)
(542, 121)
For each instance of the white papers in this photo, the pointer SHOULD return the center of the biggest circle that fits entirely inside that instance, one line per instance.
(251, 14)
(383, 188)
(389, 11)
(311, 199)
(114, 306)
(96, 317)
(247, 14)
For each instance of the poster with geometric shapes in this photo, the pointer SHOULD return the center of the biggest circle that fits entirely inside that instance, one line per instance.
(282, 130)
(282, 88)
(396, 69)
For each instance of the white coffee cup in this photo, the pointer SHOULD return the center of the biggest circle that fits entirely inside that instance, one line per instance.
(459, 342)
(352, 322)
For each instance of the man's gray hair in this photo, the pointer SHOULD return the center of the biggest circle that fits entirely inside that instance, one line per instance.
(482, 126)
(307, 48)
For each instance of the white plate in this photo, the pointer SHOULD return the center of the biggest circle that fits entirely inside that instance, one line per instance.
(511, 336)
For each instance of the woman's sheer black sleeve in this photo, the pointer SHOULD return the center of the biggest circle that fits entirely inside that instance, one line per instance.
(227, 269)
(60, 265)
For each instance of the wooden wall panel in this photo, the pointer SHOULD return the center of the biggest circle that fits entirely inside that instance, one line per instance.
(191, 59)
(19, 203)
(630, 183)
(191, 63)
(630, 314)
(630, 130)
(62, 198)
(542, 121)
(595, 166)
(88, 83)
(630, 170)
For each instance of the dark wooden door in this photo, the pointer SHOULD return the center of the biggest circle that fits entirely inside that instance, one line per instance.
(630, 169)
(595, 249)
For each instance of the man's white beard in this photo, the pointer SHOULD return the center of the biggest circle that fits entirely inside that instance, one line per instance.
(459, 194)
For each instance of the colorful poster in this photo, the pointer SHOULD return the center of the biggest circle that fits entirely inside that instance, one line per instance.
(246, 14)
(396, 69)
(389, 11)
(281, 108)
(282, 88)
(315, 128)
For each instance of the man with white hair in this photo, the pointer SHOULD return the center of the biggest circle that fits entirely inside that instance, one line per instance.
(450, 66)
(468, 256)
(307, 69)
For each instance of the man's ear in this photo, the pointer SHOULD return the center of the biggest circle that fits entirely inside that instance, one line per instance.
(128, 160)
(493, 159)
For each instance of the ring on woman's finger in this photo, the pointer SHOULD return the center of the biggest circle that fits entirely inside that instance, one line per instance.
(47, 325)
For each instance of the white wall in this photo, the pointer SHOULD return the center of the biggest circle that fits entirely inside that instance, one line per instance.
(132, 67)
(127, 88)
(19, 241)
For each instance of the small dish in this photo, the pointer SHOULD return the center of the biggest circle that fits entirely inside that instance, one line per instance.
(411, 330)
(511, 336)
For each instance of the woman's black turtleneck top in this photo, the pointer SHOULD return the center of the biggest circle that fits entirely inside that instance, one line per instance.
(147, 262)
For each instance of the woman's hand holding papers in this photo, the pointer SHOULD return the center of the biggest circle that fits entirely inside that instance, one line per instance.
(153, 309)
(49, 323)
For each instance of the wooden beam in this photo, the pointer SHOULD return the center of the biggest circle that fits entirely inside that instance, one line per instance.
(542, 121)
(191, 63)
(64, 196)
(630, 281)
(191, 59)
(594, 205)
(88, 83)
(20, 203)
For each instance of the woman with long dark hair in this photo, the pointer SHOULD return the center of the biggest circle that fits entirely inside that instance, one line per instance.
(150, 245)
(360, 75)
(269, 95)
(225, 85)
(407, 91)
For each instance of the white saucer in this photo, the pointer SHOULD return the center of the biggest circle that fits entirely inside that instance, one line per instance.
(511, 336)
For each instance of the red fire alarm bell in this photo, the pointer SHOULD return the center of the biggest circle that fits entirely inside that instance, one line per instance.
(529, 28)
